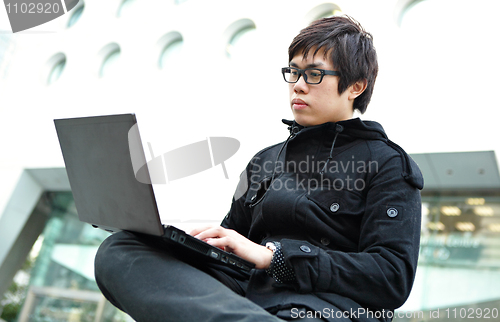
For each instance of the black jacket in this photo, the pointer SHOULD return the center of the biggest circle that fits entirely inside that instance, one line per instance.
(350, 230)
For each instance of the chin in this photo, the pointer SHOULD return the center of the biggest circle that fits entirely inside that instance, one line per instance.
(305, 123)
(308, 120)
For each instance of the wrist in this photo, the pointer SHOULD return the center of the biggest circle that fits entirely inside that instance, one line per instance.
(267, 255)
(278, 269)
(273, 247)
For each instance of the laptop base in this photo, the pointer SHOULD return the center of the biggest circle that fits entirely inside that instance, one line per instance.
(213, 254)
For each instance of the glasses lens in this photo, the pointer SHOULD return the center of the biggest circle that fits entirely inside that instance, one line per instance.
(314, 76)
(291, 74)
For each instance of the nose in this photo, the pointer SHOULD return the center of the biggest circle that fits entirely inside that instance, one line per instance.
(301, 86)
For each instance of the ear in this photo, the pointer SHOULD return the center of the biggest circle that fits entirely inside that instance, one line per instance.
(357, 88)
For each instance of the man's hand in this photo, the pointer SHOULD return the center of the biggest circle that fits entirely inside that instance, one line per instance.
(231, 241)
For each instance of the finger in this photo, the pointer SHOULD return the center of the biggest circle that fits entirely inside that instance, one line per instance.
(198, 230)
(221, 243)
(213, 232)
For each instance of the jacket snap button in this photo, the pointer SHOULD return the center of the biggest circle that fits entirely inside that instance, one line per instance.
(392, 212)
(334, 207)
(325, 241)
(305, 249)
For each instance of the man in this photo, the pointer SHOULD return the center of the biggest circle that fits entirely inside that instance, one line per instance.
(331, 217)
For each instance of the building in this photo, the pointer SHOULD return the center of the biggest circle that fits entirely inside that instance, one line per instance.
(168, 60)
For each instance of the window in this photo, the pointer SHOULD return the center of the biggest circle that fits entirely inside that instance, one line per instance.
(109, 56)
(170, 49)
(125, 7)
(56, 66)
(324, 10)
(329, 14)
(241, 37)
(76, 14)
(412, 14)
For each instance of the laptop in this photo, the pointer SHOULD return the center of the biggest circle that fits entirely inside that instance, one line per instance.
(111, 185)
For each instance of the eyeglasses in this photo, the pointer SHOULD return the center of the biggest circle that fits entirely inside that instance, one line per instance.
(311, 75)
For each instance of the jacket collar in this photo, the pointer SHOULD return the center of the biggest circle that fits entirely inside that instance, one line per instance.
(355, 127)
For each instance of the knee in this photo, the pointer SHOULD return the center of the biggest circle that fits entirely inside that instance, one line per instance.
(121, 252)
(111, 254)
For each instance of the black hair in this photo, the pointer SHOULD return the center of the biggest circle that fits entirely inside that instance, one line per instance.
(349, 46)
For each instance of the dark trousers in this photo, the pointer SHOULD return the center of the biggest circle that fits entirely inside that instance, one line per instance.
(150, 281)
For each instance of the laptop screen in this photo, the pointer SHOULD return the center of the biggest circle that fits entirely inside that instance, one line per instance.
(97, 156)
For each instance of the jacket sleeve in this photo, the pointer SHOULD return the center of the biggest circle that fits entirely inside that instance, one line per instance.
(239, 217)
(381, 273)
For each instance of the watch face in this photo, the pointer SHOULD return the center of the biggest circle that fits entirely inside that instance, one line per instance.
(271, 246)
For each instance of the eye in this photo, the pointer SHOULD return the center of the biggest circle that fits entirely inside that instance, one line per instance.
(315, 73)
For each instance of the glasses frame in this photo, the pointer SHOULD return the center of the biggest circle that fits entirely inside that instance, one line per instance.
(302, 72)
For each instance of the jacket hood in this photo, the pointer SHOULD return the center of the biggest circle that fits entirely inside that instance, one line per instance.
(368, 130)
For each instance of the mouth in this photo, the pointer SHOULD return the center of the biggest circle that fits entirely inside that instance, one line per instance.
(298, 104)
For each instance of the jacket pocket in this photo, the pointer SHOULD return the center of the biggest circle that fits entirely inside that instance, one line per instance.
(337, 202)
(333, 218)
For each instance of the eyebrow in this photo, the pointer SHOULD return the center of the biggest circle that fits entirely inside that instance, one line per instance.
(312, 65)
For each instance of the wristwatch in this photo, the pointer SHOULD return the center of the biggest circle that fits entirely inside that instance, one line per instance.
(278, 269)
(271, 246)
